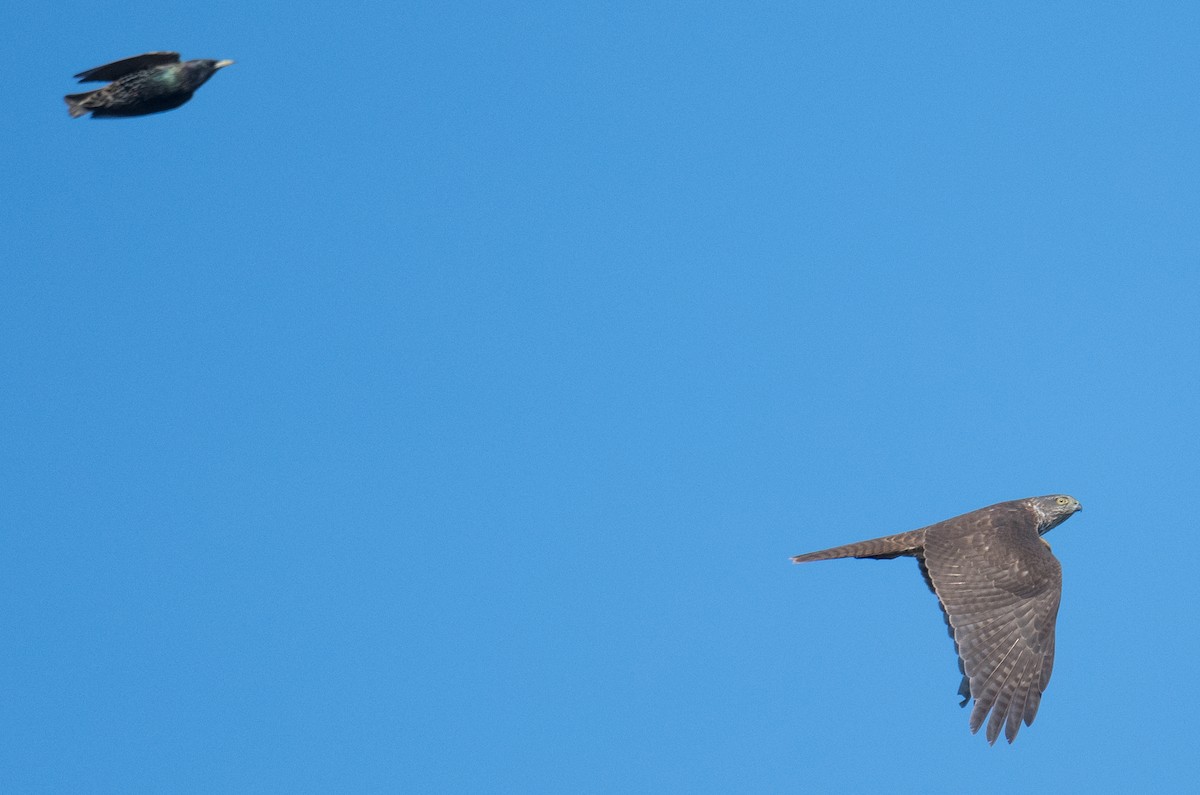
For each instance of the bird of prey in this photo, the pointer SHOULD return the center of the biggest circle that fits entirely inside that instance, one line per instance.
(147, 83)
(999, 586)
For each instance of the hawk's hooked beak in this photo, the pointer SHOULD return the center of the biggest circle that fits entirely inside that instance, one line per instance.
(222, 64)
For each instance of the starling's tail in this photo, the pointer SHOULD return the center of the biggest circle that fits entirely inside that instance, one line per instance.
(75, 103)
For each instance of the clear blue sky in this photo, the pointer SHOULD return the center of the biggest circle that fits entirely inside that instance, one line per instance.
(433, 403)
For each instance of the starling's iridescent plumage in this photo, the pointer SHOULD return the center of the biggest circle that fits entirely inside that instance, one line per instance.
(147, 83)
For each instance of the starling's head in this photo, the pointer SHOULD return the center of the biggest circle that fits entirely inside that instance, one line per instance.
(200, 70)
(1053, 510)
(208, 65)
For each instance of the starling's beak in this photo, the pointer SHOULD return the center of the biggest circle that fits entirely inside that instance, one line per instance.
(222, 64)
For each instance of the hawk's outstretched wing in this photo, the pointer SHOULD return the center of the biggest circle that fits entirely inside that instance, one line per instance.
(1000, 588)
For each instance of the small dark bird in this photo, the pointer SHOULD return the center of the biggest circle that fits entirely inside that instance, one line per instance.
(999, 586)
(147, 83)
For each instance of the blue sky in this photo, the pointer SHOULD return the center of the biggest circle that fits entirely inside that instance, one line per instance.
(435, 400)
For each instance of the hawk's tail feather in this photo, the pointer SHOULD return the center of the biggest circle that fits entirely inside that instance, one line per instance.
(909, 543)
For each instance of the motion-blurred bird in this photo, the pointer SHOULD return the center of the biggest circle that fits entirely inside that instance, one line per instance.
(999, 587)
(147, 83)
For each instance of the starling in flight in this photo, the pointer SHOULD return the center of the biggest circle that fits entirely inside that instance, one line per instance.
(147, 83)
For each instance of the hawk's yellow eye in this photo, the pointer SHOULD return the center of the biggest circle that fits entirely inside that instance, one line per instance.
(1062, 500)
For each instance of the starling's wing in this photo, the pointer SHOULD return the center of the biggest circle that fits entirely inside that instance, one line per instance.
(887, 547)
(111, 71)
(1000, 587)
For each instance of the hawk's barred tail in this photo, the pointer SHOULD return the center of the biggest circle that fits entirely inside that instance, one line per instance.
(909, 543)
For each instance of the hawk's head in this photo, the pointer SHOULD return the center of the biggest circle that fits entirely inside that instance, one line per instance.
(1053, 509)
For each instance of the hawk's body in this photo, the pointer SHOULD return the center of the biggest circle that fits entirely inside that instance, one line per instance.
(147, 83)
(999, 588)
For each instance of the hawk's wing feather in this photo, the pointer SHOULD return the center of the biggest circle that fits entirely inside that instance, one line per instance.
(999, 586)
(1021, 687)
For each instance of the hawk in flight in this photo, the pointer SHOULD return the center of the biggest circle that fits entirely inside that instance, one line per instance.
(999, 586)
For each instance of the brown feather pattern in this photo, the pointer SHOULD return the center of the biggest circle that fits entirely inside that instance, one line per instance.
(999, 588)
